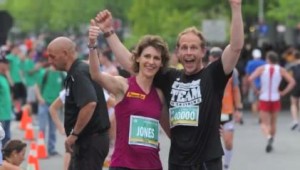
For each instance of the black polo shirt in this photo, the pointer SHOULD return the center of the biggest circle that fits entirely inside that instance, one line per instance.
(81, 90)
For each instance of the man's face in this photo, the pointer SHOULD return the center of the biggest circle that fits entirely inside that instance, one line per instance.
(57, 58)
(190, 53)
(3, 67)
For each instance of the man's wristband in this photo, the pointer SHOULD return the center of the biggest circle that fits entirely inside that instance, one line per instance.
(108, 33)
(73, 133)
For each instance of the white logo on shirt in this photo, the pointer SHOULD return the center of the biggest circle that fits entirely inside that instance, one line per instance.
(186, 94)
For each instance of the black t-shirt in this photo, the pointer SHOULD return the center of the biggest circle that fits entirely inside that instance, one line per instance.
(81, 90)
(295, 70)
(194, 104)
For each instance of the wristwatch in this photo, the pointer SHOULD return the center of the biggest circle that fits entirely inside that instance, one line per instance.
(73, 133)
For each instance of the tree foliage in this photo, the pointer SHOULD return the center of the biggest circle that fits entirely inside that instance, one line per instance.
(167, 18)
(57, 15)
(285, 11)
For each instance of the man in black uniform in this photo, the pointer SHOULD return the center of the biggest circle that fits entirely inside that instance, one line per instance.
(86, 118)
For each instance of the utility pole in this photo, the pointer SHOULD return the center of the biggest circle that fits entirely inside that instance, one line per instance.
(261, 15)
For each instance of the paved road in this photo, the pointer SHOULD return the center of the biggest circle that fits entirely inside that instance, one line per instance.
(249, 147)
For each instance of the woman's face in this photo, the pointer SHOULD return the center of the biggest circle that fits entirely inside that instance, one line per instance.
(150, 61)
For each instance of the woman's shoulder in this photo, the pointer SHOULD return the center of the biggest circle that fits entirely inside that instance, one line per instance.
(7, 166)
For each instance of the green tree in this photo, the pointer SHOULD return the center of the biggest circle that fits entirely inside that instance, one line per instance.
(58, 15)
(285, 11)
(167, 18)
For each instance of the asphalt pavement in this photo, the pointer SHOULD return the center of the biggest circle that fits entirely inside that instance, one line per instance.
(249, 147)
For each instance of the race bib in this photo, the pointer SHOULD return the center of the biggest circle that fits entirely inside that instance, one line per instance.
(184, 116)
(143, 131)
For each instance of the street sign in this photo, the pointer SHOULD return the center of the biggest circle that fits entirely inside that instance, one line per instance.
(214, 30)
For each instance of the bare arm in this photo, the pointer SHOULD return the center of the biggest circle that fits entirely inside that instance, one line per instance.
(123, 55)
(290, 80)
(114, 84)
(53, 109)
(38, 94)
(232, 51)
(164, 116)
(256, 74)
(84, 116)
(164, 121)
(8, 76)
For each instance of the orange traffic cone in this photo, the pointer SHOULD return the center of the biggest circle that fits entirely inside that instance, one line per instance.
(29, 134)
(41, 148)
(33, 163)
(24, 119)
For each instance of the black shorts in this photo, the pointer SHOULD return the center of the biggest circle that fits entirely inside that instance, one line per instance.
(19, 91)
(214, 164)
(90, 152)
(296, 91)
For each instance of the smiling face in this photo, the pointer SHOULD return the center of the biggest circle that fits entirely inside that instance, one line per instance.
(149, 62)
(150, 55)
(190, 53)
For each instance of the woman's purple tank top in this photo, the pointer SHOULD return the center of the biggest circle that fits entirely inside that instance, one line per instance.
(137, 117)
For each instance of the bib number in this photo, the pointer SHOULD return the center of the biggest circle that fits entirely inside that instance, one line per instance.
(143, 131)
(184, 116)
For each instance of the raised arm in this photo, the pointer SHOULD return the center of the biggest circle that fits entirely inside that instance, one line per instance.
(105, 23)
(114, 84)
(232, 51)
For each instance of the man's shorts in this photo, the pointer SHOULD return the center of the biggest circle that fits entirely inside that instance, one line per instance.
(296, 91)
(19, 91)
(30, 95)
(269, 106)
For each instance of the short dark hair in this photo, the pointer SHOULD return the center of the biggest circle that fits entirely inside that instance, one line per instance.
(13, 145)
(272, 56)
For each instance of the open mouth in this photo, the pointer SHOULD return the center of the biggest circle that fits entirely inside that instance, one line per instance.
(189, 61)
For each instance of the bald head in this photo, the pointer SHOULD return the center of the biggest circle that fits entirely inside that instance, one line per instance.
(62, 43)
(62, 53)
(215, 53)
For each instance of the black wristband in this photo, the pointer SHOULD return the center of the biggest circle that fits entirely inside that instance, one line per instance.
(108, 33)
(94, 46)
(73, 133)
